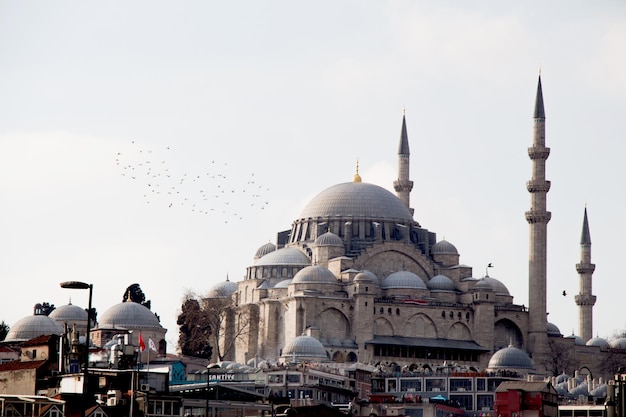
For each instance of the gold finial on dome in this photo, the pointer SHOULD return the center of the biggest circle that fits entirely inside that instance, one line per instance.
(357, 177)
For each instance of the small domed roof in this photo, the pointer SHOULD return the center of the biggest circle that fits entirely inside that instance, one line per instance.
(441, 283)
(495, 285)
(443, 247)
(403, 279)
(264, 250)
(577, 340)
(30, 327)
(283, 284)
(357, 200)
(129, 315)
(552, 330)
(619, 343)
(598, 341)
(328, 239)
(366, 275)
(284, 256)
(303, 348)
(314, 273)
(482, 285)
(69, 314)
(512, 358)
(222, 289)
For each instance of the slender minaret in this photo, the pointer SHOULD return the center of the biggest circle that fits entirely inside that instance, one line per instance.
(538, 218)
(403, 185)
(584, 299)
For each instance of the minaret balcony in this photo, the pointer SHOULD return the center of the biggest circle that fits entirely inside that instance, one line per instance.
(538, 186)
(533, 216)
(585, 299)
(584, 268)
(538, 152)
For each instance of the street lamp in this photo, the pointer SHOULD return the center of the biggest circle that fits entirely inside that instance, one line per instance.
(208, 385)
(77, 285)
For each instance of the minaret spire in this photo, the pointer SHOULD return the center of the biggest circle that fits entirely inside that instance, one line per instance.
(584, 299)
(538, 217)
(403, 185)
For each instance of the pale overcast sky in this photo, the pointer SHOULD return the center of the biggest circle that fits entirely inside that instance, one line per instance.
(280, 98)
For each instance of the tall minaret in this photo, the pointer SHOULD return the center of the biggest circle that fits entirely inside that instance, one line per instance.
(584, 299)
(538, 218)
(403, 185)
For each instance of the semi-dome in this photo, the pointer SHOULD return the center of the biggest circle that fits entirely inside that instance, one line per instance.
(403, 279)
(283, 284)
(129, 315)
(314, 273)
(357, 200)
(552, 330)
(223, 289)
(441, 283)
(328, 239)
(284, 256)
(510, 358)
(33, 326)
(304, 348)
(598, 341)
(443, 247)
(264, 250)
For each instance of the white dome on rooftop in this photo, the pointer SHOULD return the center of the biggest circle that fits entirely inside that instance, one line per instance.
(33, 326)
(129, 315)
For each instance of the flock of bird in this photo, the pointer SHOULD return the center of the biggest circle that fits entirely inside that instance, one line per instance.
(213, 189)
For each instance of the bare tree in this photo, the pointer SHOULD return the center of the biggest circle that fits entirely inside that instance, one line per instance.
(216, 321)
(560, 358)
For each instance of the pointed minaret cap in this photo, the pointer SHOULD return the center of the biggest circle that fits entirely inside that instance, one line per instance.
(585, 237)
(403, 149)
(539, 110)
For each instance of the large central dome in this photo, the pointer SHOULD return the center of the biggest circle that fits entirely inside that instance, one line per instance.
(357, 200)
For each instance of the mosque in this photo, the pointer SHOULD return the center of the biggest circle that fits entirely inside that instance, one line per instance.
(358, 279)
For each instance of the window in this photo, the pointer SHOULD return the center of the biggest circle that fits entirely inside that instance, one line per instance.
(411, 384)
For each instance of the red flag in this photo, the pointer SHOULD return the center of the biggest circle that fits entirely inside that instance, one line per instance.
(142, 345)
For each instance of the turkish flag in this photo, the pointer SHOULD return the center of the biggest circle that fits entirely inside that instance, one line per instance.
(142, 345)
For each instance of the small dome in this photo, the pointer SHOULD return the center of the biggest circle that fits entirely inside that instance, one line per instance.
(443, 247)
(441, 283)
(284, 256)
(33, 326)
(511, 358)
(483, 285)
(283, 284)
(223, 289)
(328, 239)
(69, 314)
(403, 279)
(552, 330)
(264, 250)
(365, 276)
(618, 343)
(304, 348)
(314, 273)
(129, 315)
(497, 285)
(598, 341)
(577, 340)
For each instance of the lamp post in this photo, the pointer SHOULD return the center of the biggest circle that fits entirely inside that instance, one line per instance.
(77, 285)
(208, 385)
